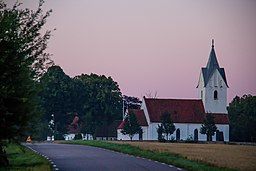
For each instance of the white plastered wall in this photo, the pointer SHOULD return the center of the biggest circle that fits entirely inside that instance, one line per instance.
(217, 83)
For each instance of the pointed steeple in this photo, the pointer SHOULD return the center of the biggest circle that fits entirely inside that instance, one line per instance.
(211, 66)
(212, 61)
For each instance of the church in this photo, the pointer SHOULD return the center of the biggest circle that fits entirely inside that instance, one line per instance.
(187, 114)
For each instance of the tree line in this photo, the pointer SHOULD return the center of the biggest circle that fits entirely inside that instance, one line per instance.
(242, 116)
(95, 99)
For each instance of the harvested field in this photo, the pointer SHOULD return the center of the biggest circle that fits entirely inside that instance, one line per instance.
(241, 157)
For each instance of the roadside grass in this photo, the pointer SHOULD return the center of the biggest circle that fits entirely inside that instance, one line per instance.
(168, 158)
(23, 159)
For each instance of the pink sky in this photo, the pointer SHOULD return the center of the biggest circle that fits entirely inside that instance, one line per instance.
(154, 45)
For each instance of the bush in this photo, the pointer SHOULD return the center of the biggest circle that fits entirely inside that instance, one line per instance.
(59, 137)
(78, 137)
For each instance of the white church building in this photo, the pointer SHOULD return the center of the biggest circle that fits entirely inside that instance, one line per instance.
(188, 114)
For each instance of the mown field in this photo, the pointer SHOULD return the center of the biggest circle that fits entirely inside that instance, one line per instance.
(241, 157)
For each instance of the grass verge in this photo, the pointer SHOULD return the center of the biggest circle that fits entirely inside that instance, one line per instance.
(171, 159)
(23, 159)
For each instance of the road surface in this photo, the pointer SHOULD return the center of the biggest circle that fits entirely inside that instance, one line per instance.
(85, 158)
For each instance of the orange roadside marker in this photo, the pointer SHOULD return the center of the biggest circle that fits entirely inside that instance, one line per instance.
(28, 139)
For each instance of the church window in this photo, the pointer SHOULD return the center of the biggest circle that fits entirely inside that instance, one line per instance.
(140, 134)
(215, 95)
(196, 134)
(178, 134)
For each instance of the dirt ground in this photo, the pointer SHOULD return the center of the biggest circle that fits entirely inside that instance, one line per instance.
(241, 157)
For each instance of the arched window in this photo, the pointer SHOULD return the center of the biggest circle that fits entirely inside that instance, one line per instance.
(215, 95)
(178, 134)
(140, 134)
(196, 135)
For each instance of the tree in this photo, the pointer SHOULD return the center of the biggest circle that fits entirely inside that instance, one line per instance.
(58, 98)
(131, 102)
(22, 62)
(131, 126)
(208, 127)
(167, 124)
(242, 116)
(160, 131)
(102, 103)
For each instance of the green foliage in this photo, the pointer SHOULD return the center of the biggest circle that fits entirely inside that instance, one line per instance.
(102, 103)
(38, 131)
(167, 124)
(242, 116)
(78, 137)
(131, 102)
(96, 100)
(22, 62)
(131, 126)
(208, 127)
(24, 159)
(160, 130)
(170, 159)
(57, 98)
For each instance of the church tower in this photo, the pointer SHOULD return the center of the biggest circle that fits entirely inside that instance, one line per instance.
(212, 85)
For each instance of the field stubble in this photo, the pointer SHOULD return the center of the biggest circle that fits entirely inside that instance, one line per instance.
(241, 157)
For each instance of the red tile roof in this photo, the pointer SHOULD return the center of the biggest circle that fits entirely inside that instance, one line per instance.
(121, 126)
(221, 118)
(139, 115)
(181, 110)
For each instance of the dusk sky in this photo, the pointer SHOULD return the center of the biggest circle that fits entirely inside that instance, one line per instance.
(154, 45)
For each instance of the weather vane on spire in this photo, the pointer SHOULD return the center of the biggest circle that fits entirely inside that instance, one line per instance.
(212, 42)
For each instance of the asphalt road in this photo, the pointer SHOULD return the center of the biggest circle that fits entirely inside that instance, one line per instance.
(84, 158)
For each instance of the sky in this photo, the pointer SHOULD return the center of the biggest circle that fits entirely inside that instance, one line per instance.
(154, 46)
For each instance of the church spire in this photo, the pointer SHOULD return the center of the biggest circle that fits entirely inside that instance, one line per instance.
(212, 61)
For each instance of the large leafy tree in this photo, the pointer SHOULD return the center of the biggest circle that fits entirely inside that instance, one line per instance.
(167, 125)
(242, 115)
(102, 103)
(22, 61)
(131, 126)
(208, 127)
(58, 98)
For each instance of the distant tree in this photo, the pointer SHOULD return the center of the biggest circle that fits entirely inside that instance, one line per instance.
(160, 131)
(22, 61)
(168, 126)
(89, 126)
(57, 98)
(103, 102)
(131, 126)
(208, 127)
(131, 102)
(242, 116)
